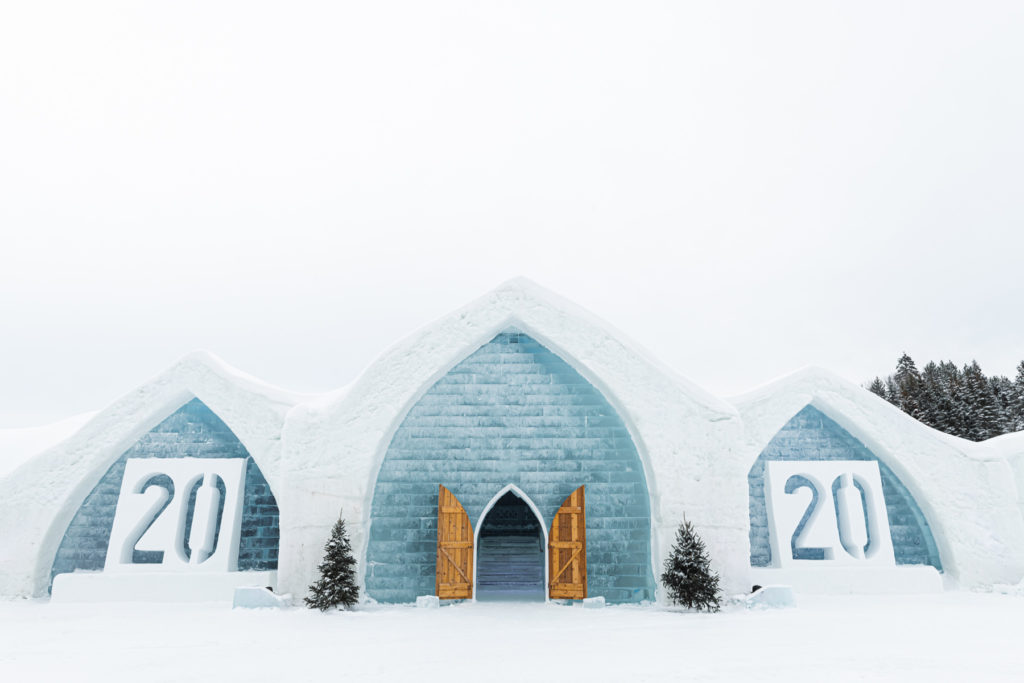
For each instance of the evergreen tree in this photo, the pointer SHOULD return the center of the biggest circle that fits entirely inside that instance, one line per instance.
(932, 408)
(985, 416)
(688, 576)
(963, 403)
(957, 415)
(877, 387)
(336, 586)
(1002, 387)
(908, 387)
(892, 394)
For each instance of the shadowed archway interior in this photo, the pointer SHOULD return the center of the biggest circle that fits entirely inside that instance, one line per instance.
(510, 552)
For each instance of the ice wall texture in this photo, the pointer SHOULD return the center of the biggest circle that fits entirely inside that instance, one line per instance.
(511, 413)
(193, 431)
(811, 435)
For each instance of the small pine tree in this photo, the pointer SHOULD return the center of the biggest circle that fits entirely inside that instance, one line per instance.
(688, 576)
(892, 393)
(336, 586)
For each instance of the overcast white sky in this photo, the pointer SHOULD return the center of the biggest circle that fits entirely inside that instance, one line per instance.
(744, 188)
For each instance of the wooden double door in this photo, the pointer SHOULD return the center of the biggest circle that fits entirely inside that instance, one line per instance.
(567, 549)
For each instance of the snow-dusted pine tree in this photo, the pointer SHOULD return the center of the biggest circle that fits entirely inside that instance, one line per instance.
(986, 415)
(932, 407)
(892, 394)
(336, 586)
(959, 411)
(688, 576)
(1002, 387)
(877, 387)
(962, 402)
(908, 386)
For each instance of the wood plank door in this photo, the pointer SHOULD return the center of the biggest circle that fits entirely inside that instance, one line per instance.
(454, 548)
(567, 549)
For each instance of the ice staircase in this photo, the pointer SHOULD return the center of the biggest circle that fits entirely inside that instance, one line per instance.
(510, 568)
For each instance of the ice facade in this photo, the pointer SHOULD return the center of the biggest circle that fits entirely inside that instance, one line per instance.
(192, 431)
(515, 413)
(811, 435)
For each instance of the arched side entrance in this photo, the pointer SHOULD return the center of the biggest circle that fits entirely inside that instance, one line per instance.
(513, 412)
(193, 431)
(812, 436)
(511, 545)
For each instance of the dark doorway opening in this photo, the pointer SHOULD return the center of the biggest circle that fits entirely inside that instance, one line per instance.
(510, 553)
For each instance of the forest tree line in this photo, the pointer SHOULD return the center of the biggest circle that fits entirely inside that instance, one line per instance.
(959, 401)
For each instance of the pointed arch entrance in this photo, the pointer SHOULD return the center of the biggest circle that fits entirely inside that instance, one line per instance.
(511, 549)
(512, 412)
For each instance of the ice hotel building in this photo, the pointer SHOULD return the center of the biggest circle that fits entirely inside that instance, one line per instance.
(517, 448)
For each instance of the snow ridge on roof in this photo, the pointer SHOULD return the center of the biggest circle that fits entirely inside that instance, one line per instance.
(811, 382)
(527, 285)
(18, 445)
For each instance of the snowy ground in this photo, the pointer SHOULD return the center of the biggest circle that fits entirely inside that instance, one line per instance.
(948, 637)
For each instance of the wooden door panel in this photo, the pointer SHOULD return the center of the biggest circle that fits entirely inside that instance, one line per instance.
(454, 571)
(567, 549)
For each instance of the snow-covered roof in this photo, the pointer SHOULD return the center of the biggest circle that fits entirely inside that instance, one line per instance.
(17, 445)
(522, 303)
(847, 401)
(1007, 445)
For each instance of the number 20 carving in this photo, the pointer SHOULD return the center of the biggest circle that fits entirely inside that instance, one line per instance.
(150, 518)
(849, 527)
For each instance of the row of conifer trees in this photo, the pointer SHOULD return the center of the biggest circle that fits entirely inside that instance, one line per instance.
(959, 401)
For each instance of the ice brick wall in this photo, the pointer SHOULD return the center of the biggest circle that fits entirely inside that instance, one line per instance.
(193, 431)
(811, 435)
(511, 413)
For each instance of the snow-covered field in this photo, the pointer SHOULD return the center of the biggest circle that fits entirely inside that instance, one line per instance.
(955, 636)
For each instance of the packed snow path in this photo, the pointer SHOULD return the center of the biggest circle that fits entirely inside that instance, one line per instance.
(946, 637)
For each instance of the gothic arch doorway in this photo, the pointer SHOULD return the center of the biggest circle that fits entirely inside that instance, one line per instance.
(511, 544)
